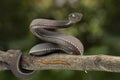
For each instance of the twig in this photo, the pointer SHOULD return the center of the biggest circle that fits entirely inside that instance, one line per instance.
(68, 62)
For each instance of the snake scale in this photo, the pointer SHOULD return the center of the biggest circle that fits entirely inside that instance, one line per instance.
(56, 42)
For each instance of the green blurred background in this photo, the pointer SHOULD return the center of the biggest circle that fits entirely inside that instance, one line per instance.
(99, 31)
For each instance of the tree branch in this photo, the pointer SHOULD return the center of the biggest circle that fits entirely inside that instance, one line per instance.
(67, 62)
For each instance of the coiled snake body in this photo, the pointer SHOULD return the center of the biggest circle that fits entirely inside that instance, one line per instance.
(57, 41)
(42, 28)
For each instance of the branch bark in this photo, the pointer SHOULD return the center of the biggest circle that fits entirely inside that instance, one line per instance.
(67, 62)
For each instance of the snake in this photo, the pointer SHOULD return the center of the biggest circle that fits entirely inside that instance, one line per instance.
(56, 42)
(43, 29)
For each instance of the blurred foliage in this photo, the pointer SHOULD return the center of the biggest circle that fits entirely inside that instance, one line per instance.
(99, 31)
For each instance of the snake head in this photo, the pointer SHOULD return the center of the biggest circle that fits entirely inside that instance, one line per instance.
(75, 17)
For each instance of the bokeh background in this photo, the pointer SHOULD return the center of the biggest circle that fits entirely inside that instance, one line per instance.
(99, 31)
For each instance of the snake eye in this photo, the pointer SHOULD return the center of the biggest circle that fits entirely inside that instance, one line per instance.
(75, 17)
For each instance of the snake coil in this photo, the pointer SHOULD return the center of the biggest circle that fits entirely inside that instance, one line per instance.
(43, 29)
